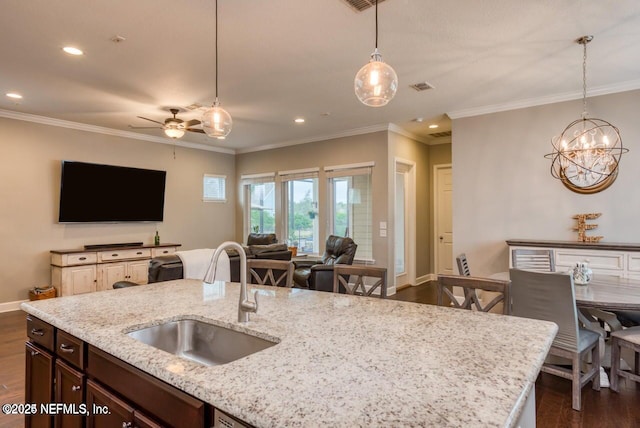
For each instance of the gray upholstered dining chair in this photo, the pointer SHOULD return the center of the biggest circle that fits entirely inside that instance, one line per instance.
(529, 259)
(270, 272)
(463, 265)
(630, 339)
(551, 297)
(344, 274)
(499, 293)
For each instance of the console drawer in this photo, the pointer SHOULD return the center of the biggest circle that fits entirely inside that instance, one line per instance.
(136, 253)
(164, 251)
(40, 332)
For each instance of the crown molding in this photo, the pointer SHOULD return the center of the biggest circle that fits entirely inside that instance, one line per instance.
(347, 133)
(398, 130)
(43, 120)
(551, 99)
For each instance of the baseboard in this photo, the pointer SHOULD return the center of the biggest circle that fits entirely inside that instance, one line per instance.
(11, 306)
(426, 278)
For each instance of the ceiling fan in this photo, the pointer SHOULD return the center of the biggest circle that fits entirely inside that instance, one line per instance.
(172, 126)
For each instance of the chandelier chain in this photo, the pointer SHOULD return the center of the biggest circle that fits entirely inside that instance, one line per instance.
(584, 80)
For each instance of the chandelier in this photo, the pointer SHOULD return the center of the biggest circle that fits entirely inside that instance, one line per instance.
(216, 121)
(376, 83)
(587, 153)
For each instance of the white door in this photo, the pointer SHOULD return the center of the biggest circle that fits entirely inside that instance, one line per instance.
(404, 226)
(443, 219)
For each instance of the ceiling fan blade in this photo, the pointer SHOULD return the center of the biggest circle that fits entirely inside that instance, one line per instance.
(150, 120)
(192, 122)
(200, 131)
(145, 127)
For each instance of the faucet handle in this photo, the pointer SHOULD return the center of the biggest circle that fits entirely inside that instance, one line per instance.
(250, 306)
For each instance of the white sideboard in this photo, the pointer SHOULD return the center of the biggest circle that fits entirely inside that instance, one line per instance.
(85, 271)
(617, 259)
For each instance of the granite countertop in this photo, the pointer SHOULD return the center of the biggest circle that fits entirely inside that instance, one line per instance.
(340, 361)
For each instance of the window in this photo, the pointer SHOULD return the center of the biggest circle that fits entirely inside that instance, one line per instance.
(350, 205)
(214, 188)
(300, 202)
(261, 207)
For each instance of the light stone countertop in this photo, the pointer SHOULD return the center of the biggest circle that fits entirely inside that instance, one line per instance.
(342, 361)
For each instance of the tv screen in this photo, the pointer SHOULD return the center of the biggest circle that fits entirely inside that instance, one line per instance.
(105, 193)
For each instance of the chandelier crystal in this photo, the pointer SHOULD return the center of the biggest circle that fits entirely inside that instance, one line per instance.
(376, 83)
(216, 121)
(586, 155)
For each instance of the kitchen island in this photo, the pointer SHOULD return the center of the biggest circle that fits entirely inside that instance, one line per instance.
(340, 361)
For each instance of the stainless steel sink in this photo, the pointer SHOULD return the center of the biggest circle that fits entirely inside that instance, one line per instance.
(198, 341)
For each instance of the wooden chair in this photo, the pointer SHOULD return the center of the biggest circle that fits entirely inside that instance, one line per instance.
(270, 272)
(463, 265)
(342, 274)
(471, 285)
(538, 260)
(551, 297)
(630, 339)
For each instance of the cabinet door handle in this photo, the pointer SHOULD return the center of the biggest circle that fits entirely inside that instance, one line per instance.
(139, 253)
(34, 353)
(114, 255)
(82, 258)
(165, 252)
(67, 348)
(37, 332)
(76, 388)
(126, 425)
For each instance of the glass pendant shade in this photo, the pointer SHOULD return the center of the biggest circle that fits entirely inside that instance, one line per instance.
(216, 122)
(376, 83)
(173, 132)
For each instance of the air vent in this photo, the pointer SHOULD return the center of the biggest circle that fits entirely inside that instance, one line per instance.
(360, 5)
(441, 134)
(422, 86)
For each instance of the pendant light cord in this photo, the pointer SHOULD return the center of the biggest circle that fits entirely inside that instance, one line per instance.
(216, 50)
(376, 24)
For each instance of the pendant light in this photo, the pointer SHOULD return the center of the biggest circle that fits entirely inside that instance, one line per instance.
(216, 122)
(587, 153)
(376, 83)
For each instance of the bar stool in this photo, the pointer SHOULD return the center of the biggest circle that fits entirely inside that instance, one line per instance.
(628, 338)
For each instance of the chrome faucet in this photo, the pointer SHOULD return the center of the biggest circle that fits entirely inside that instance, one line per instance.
(245, 306)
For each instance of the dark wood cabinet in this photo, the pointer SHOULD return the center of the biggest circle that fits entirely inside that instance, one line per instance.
(69, 389)
(118, 413)
(39, 384)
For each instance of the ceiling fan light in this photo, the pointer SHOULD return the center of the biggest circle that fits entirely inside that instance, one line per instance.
(216, 122)
(174, 132)
(376, 83)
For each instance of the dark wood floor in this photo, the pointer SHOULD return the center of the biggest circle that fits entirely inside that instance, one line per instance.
(602, 409)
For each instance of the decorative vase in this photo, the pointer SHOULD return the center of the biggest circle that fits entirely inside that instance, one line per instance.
(582, 273)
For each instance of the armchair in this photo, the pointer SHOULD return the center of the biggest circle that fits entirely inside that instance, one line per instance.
(338, 250)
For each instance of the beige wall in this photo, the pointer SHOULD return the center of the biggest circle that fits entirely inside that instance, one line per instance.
(503, 189)
(29, 192)
(339, 151)
(425, 157)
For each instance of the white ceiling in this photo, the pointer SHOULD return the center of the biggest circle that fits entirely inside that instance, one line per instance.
(280, 59)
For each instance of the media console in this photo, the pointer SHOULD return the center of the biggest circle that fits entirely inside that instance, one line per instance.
(87, 270)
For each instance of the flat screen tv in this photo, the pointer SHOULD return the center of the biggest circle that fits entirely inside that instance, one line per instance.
(94, 193)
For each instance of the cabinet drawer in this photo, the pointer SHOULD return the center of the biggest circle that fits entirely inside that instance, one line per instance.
(602, 260)
(155, 252)
(168, 404)
(40, 332)
(70, 349)
(137, 253)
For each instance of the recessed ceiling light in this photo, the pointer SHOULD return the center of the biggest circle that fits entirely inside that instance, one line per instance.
(299, 120)
(434, 126)
(14, 95)
(221, 138)
(72, 51)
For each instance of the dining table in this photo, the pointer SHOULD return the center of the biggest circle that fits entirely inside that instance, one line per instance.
(606, 292)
